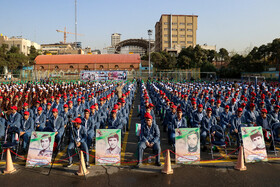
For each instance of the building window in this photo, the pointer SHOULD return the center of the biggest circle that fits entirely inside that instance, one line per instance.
(165, 23)
(71, 67)
(56, 67)
(182, 29)
(189, 30)
(174, 23)
(174, 42)
(189, 42)
(42, 68)
(182, 36)
(101, 66)
(189, 36)
(166, 42)
(166, 29)
(131, 66)
(182, 23)
(18, 46)
(189, 24)
(182, 42)
(174, 35)
(116, 66)
(166, 35)
(183, 46)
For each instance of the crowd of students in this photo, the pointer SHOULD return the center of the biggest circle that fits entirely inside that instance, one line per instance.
(54, 107)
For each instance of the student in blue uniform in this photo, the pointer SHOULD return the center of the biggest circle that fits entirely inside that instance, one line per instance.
(178, 122)
(206, 123)
(40, 120)
(78, 135)
(55, 124)
(26, 128)
(90, 127)
(149, 138)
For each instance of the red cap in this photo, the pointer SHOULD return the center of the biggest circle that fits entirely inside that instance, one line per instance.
(92, 107)
(26, 113)
(193, 103)
(83, 98)
(174, 106)
(212, 100)
(40, 108)
(96, 104)
(200, 106)
(209, 109)
(239, 109)
(65, 106)
(264, 110)
(70, 102)
(14, 108)
(148, 116)
(79, 100)
(122, 101)
(87, 110)
(252, 105)
(179, 110)
(276, 106)
(49, 104)
(272, 100)
(113, 111)
(219, 101)
(25, 104)
(54, 110)
(226, 106)
(243, 104)
(233, 99)
(151, 105)
(77, 120)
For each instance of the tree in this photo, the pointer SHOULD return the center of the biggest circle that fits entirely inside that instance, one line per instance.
(32, 55)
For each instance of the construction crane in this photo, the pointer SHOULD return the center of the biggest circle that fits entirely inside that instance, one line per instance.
(67, 33)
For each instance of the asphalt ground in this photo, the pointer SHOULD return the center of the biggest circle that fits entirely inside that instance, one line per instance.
(218, 171)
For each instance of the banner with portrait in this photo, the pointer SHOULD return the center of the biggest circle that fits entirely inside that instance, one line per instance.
(187, 145)
(103, 75)
(40, 149)
(108, 147)
(254, 146)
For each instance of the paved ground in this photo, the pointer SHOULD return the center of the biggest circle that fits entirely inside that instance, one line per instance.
(208, 172)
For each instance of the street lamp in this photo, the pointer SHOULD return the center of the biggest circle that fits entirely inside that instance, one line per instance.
(150, 33)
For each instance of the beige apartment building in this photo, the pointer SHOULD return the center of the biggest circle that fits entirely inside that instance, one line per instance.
(24, 45)
(174, 32)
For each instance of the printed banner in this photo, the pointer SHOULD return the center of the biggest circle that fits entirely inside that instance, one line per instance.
(40, 149)
(103, 75)
(187, 145)
(108, 147)
(254, 146)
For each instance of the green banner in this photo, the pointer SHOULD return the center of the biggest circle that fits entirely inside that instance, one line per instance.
(40, 149)
(254, 145)
(108, 147)
(187, 145)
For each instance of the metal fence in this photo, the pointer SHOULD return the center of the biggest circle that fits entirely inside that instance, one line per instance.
(175, 75)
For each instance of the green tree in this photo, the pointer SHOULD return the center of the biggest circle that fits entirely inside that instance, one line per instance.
(33, 53)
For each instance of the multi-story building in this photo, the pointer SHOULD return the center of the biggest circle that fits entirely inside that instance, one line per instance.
(174, 32)
(24, 45)
(62, 48)
(115, 39)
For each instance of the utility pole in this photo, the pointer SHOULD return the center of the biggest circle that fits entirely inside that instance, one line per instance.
(76, 24)
(150, 33)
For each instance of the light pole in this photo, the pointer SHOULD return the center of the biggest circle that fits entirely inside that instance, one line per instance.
(150, 33)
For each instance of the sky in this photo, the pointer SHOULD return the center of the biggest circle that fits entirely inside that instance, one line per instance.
(232, 24)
